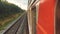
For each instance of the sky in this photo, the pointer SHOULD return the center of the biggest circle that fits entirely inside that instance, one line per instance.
(21, 3)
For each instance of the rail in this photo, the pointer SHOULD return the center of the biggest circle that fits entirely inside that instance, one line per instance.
(19, 27)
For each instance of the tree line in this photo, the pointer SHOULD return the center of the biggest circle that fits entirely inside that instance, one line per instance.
(7, 9)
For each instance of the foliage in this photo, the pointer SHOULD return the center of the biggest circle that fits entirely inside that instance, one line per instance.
(7, 9)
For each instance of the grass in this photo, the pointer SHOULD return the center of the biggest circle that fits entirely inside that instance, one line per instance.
(8, 20)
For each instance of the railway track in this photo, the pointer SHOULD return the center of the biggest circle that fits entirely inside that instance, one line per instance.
(19, 27)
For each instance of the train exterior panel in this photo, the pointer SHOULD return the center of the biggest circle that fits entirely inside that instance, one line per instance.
(41, 15)
(46, 17)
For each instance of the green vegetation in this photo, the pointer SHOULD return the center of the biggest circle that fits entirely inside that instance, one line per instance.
(8, 13)
(8, 20)
(7, 9)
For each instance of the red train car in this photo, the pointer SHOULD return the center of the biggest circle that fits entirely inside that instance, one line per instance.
(45, 12)
(46, 17)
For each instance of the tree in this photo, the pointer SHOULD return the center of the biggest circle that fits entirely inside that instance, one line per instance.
(7, 9)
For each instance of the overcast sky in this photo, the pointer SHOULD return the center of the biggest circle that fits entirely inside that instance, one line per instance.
(20, 3)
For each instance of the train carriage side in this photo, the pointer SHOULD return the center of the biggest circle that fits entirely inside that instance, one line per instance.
(46, 17)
